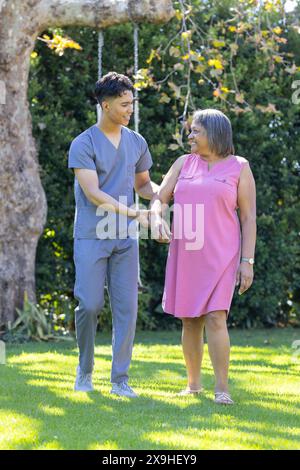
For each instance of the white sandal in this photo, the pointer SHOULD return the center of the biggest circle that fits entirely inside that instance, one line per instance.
(188, 391)
(223, 398)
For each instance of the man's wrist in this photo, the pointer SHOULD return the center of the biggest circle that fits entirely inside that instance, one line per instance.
(138, 212)
(133, 213)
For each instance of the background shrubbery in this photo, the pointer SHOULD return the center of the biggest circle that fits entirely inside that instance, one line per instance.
(62, 106)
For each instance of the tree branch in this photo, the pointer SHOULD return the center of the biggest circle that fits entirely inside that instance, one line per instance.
(103, 13)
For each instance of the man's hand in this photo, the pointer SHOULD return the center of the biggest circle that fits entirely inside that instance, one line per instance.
(159, 228)
(143, 218)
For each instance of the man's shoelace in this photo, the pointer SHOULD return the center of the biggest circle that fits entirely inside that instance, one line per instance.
(125, 386)
(85, 378)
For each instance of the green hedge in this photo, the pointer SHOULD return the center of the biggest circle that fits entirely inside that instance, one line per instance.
(62, 106)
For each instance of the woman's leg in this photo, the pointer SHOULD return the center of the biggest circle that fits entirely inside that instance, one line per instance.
(192, 345)
(218, 347)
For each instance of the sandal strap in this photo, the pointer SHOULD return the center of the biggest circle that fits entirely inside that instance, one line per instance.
(188, 391)
(221, 396)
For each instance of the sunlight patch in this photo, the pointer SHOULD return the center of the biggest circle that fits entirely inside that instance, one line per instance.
(107, 445)
(23, 431)
(51, 445)
(52, 410)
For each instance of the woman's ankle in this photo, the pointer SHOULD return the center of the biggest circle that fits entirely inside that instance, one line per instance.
(194, 386)
(221, 388)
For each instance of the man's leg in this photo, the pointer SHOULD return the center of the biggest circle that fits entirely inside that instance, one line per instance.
(90, 258)
(122, 280)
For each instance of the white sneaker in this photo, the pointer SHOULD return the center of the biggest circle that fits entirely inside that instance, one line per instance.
(83, 382)
(123, 390)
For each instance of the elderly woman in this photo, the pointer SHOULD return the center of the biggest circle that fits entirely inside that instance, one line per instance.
(209, 185)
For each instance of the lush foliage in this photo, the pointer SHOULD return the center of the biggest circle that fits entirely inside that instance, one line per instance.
(34, 323)
(239, 57)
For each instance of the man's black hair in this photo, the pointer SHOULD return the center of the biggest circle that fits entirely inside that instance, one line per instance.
(111, 85)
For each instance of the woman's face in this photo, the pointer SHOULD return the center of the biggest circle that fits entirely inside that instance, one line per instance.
(198, 139)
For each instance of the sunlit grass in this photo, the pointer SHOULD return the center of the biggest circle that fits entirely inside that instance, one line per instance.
(40, 410)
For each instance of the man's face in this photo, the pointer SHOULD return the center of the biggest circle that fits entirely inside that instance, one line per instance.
(119, 109)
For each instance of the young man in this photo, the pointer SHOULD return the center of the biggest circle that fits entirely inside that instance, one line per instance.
(109, 160)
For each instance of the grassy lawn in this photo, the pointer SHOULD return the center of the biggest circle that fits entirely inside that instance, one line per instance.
(40, 410)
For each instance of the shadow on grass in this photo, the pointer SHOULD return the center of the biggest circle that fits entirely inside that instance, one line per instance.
(69, 420)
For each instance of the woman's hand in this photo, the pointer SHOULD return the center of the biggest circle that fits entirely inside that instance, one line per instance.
(160, 229)
(244, 277)
(144, 217)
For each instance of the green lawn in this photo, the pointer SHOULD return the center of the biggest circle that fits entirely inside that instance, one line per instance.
(40, 410)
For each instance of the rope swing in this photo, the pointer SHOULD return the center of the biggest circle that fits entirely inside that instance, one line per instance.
(136, 107)
(100, 51)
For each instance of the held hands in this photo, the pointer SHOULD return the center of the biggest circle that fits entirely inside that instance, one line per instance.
(159, 228)
(244, 277)
(143, 218)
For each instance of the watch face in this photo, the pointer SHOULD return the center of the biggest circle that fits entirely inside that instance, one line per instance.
(251, 260)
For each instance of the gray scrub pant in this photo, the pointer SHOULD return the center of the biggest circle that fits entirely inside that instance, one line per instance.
(117, 262)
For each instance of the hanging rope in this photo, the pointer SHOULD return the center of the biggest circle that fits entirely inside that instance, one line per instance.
(136, 107)
(100, 53)
(100, 49)
(136, 124)
(136, 68)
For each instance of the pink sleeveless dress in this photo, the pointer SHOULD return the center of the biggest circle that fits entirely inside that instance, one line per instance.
(205, 249)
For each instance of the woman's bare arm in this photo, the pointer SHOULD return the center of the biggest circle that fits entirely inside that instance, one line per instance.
(165, 192)
(247, 215)
(247, 211)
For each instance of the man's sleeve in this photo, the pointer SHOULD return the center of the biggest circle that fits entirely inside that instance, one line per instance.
(145, 161)
(81, 155)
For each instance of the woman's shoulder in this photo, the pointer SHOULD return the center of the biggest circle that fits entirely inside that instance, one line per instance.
(182, 160)
(241, 166)
(240, 160)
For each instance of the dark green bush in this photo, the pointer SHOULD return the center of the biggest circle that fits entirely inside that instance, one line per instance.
(62, 106)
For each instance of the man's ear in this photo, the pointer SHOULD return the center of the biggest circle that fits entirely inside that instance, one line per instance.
(105, 105)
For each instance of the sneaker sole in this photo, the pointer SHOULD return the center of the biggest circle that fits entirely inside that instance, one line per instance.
(79, 390)
(122, 395)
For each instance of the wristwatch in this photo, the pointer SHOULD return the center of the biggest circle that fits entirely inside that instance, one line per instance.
(248, 260)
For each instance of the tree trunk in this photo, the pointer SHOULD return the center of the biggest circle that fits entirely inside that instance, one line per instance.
(23, 207)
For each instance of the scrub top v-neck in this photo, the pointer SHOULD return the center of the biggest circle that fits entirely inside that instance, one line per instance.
(115, 167)
(113, 145)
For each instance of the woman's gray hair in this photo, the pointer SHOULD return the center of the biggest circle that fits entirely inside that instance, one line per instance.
(218, 129)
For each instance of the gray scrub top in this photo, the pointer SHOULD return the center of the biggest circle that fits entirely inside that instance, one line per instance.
(116, 168)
